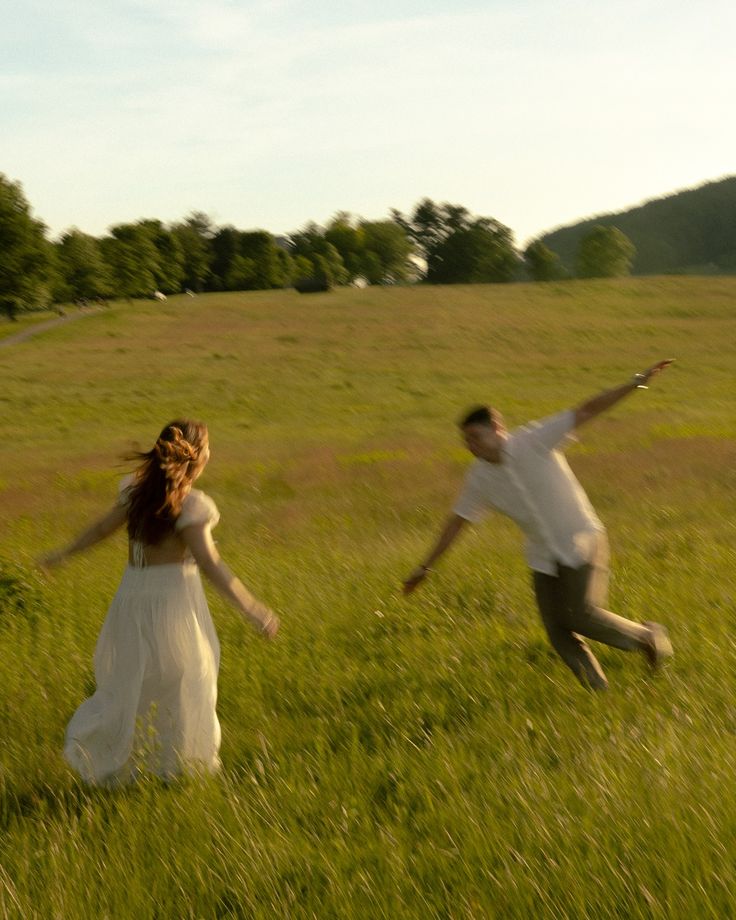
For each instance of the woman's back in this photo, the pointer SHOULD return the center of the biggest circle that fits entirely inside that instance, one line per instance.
(171, 549)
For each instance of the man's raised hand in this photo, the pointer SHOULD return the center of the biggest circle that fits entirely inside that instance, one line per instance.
(657, 368)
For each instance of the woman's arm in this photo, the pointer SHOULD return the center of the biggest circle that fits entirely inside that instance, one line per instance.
(198, 537)
(100, 530)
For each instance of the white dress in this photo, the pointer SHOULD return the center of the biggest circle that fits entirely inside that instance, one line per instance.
(156, 665)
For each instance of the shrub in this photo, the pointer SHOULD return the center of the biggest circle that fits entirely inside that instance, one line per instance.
(21, 593)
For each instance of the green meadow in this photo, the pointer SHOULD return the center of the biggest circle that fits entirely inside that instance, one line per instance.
(385, 757)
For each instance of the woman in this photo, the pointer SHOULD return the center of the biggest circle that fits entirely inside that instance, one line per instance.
(157, 655)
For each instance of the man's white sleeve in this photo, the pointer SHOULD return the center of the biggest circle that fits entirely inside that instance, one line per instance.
(471, 503)
(549, 433)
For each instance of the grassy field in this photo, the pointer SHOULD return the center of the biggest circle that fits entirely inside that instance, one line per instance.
(384, 758)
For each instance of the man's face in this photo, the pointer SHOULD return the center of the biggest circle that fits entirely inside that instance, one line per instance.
(485, 441)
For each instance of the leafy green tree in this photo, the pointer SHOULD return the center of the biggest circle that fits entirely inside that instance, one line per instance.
(542, 263)
(287, 263)
(202, 224)
(271, 263)
(242, 274)
(25, 254)
(248, 260)
(480, 253)
(194, 236)
(224, 251)
(59, 290)
(429, 225)
(375, 250)
(326, 265)
(387, 251)
(83, 270)
(457, 246)
(170, 271)
(348, 239)
(302, 268)
(605, 252)
(145, 257)
(133, 258)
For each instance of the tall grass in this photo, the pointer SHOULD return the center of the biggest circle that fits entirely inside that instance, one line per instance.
(384, 757)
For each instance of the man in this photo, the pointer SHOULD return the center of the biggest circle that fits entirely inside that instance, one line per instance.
(524, 475)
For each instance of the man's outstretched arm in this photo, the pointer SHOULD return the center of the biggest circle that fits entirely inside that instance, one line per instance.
(603, 401)
(447, 537)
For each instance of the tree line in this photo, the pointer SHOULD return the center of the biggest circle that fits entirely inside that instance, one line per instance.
(435, 244)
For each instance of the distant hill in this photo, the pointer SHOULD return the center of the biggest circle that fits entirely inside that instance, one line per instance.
(689, 232)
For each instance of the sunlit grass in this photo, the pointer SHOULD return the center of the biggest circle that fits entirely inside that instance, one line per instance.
(384, 758)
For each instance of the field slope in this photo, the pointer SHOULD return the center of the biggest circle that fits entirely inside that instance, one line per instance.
(384, 757)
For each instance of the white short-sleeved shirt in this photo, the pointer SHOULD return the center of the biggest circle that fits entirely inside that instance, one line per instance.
(534, 486)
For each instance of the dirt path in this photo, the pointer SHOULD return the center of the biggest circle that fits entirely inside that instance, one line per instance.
(43, 327)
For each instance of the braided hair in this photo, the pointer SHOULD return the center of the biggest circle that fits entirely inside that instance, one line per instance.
(163, 479)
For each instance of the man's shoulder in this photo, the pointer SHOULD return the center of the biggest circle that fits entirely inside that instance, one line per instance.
(519, 437)
(547, 432)
(542, 421)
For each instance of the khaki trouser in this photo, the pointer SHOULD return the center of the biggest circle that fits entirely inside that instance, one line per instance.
(571, 607)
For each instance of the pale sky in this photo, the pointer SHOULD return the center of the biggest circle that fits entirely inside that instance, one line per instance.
(270, 113)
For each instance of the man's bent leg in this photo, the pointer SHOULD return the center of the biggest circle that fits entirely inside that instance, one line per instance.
(568, 645)
(584, 590)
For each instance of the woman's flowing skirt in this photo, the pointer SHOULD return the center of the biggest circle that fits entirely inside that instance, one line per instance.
(156, 665)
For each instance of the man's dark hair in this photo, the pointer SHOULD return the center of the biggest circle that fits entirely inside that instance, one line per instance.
(478, 415)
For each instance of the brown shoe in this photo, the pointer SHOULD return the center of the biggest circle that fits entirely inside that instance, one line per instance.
(658, 647)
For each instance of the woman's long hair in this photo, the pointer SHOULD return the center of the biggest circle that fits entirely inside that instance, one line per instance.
(163, 479)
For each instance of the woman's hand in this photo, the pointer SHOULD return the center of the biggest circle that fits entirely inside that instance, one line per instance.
(269, 625)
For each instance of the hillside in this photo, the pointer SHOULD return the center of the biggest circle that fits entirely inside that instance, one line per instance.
(690, 232)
